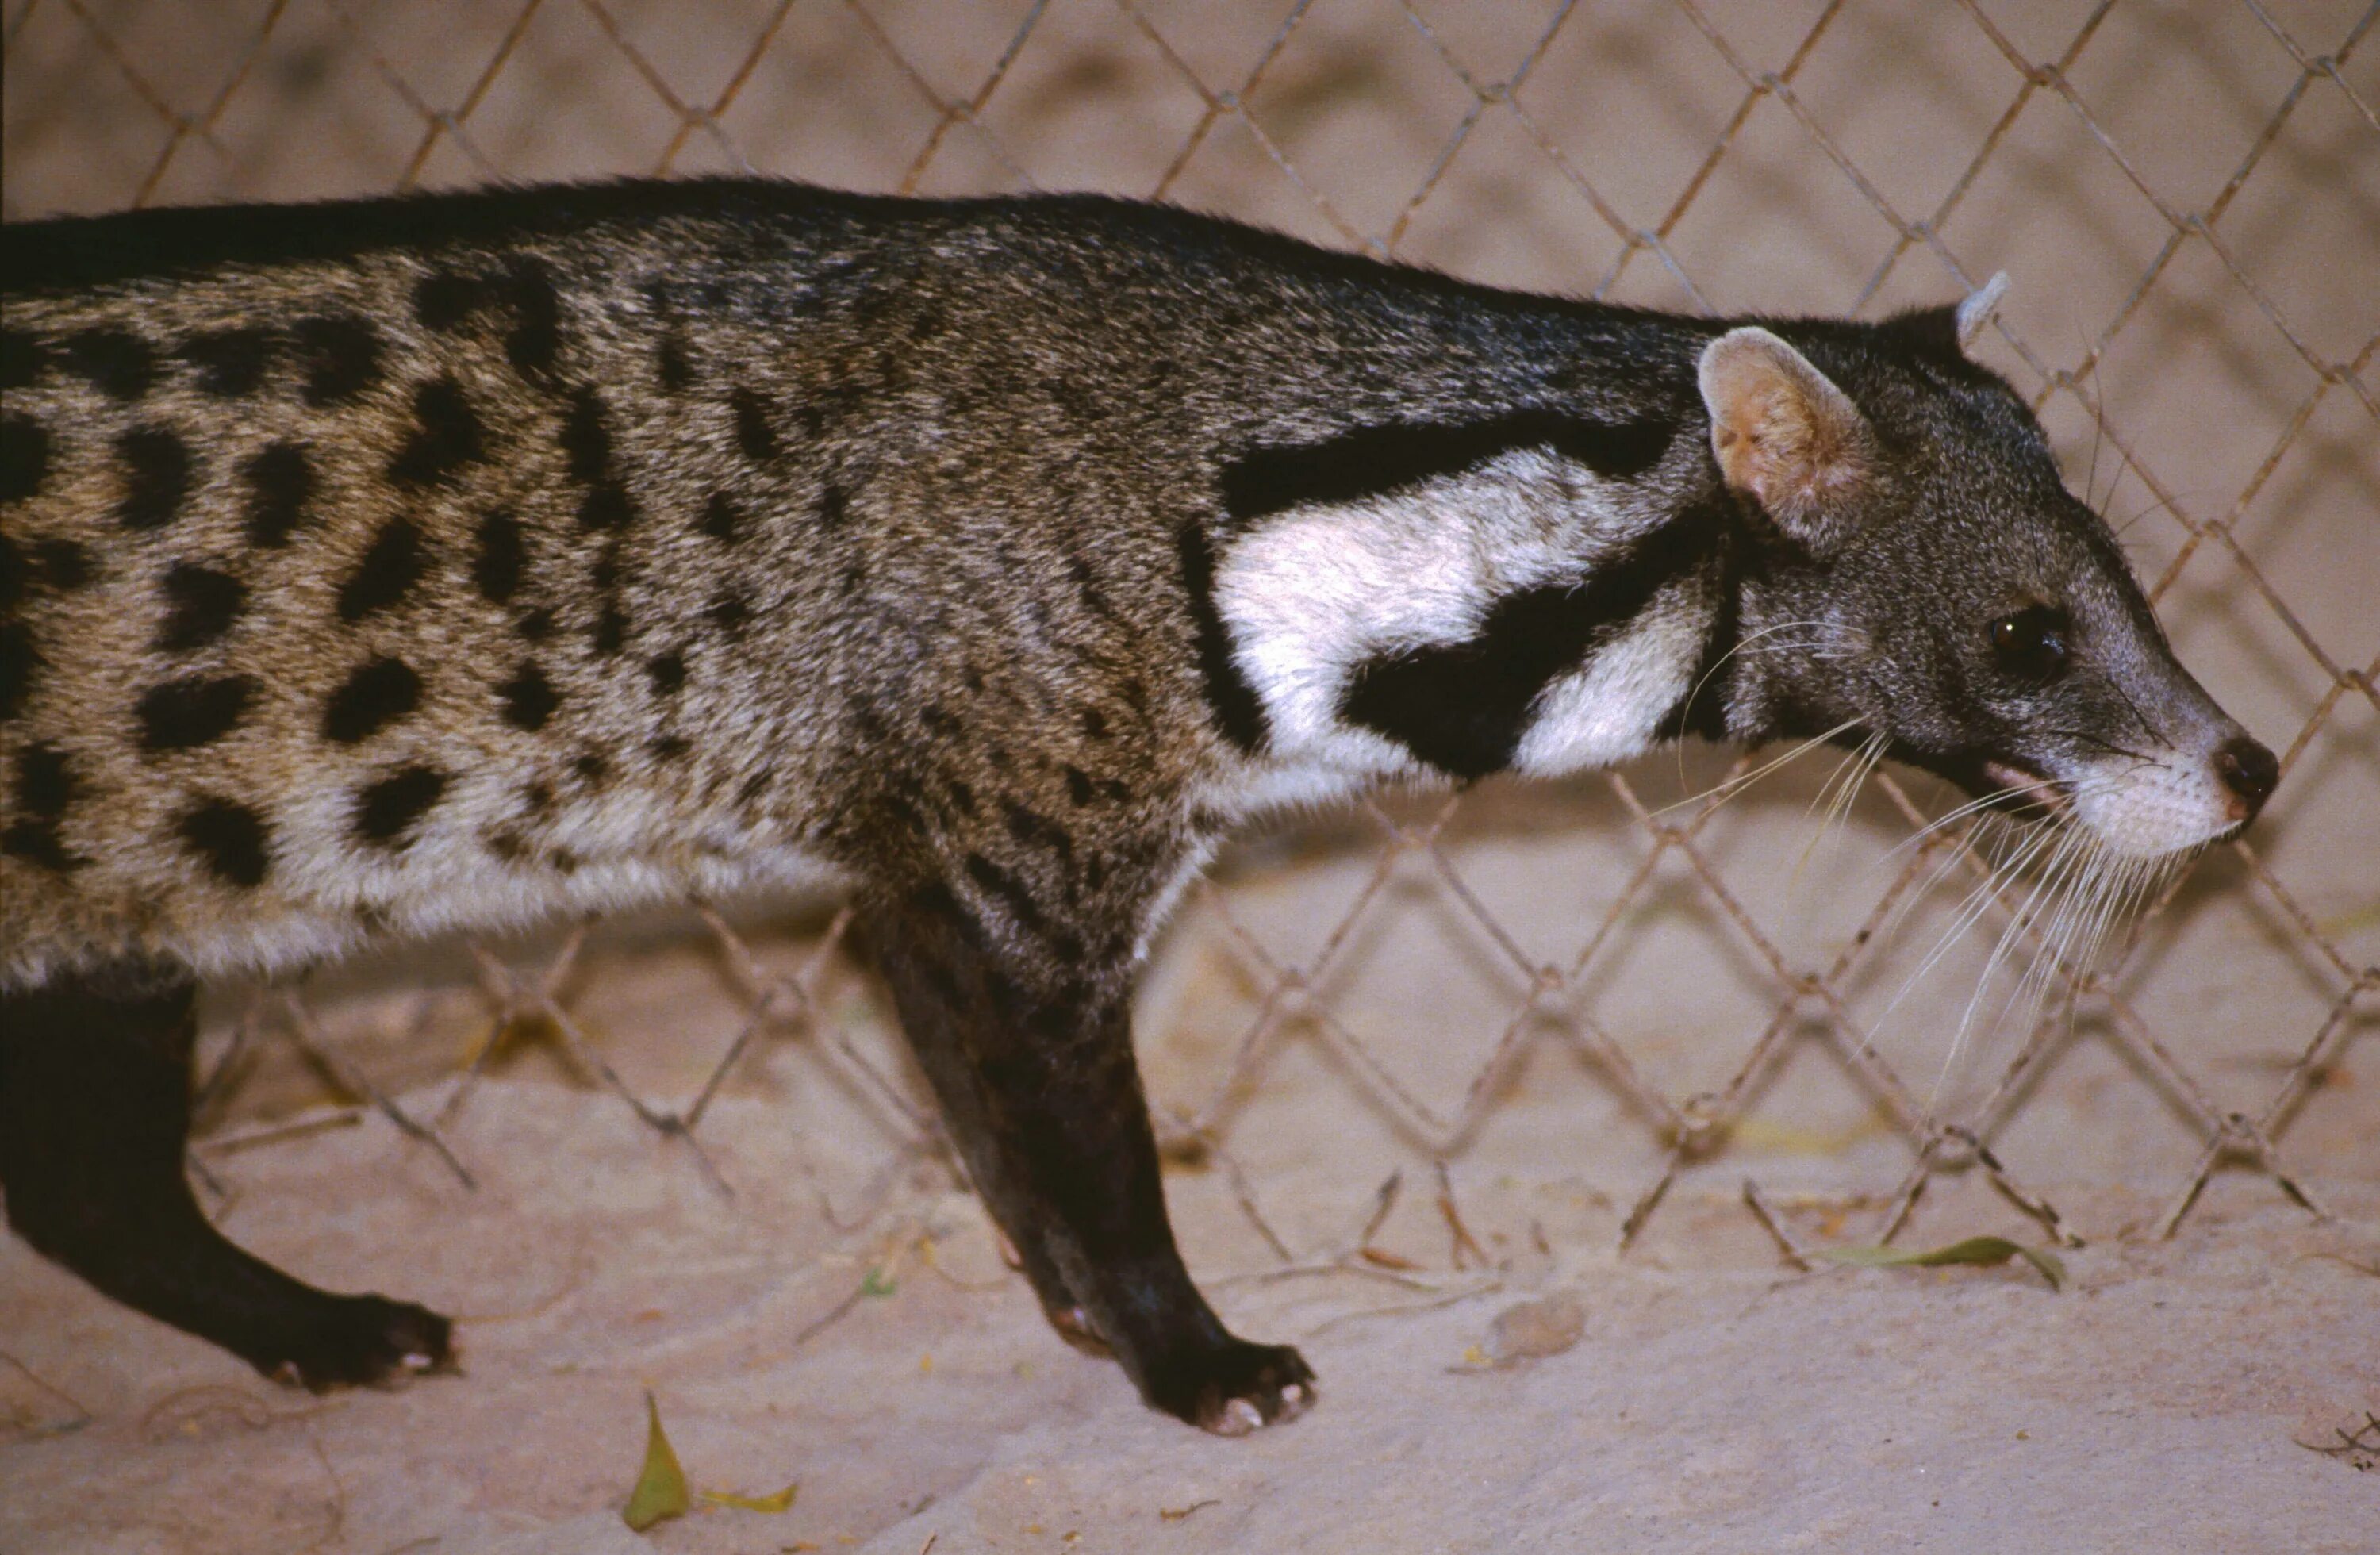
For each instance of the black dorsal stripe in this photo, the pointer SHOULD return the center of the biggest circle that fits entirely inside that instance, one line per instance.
(1463, 707)
(1375, 460)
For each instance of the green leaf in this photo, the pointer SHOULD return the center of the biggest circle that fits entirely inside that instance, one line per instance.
(1980, 1250)
(878, 1283)
(661, 1489)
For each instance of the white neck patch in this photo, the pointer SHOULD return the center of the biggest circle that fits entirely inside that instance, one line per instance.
(1310, 594)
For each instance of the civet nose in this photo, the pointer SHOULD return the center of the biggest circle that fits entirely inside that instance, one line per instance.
(2249, 771)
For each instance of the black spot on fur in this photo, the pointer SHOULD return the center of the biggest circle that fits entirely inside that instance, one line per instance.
(502, 557)
(388, 810)
(940, 719)
(833, 503)
(606, 507)
(605, 574)
(24, 457)
(908, 820)
(23, 359)
(730, 612)
(535, 341)
(1007, 891)
(673, 369)
(1035, 830)
(446, 436)
(36, 842)
(375, 695)
(16, 574)
(1095, 723)
(64, 565)
(529, 698)
(229, 838)
(539, 798)
(592, 769)
(1463, 707)
(45, 782)
(338, 358)
(719, 519)
(1078, 786)
(1233, 701)
(20, 661)
(390, 568)
(962, 797)
(669, 748)
(586, 440)
(610, 633)
(156, 476)
(230, 363)
(193, 712)
(280, 485)
(120, 364)
(668, 672)
(445, 301)
(753, 433)
(1094, 598)
(1375, 461)
(200, 605)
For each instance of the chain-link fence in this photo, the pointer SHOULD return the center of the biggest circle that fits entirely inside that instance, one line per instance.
(1594, 980)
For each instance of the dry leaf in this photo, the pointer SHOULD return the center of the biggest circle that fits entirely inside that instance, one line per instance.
(1530, 1330)
(661, 1488)
(782, 1502)
(1979, 1250)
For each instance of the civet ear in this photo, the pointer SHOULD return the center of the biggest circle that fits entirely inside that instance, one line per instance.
(1783, 434)
(1975, 314)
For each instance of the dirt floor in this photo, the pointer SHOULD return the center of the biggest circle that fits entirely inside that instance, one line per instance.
(2192, 1395)
(821, 1306)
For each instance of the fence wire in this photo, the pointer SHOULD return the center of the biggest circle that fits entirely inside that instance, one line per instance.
(1398, 128)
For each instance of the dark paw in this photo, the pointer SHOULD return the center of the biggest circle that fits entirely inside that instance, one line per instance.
(349, 1342)
(1233, 1389)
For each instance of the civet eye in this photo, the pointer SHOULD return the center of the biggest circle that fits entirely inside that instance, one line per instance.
(2031, 645)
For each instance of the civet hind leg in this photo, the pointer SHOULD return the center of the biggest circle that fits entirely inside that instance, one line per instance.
(94, 1114)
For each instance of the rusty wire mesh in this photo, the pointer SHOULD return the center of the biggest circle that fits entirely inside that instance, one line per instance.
(2039, 136)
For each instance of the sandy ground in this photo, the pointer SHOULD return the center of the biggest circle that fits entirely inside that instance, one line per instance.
(831, 1311)
(2171, 1398)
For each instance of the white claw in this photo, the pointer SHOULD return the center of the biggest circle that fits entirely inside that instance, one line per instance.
(1239, 1417)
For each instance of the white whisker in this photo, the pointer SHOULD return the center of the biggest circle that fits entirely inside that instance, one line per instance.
(1728, 788)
